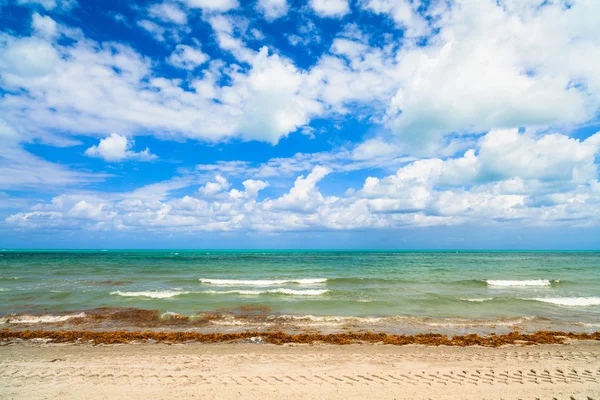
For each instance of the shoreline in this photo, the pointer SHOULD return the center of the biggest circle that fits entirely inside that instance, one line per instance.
(262, 319)
(251, 371)
(279, 338)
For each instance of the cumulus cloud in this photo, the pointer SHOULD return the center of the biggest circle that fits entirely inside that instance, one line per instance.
(187, 57)
(446, 85)
(116, 148)
(168, 12)
(493, 67)
(403, 12)
(213, 188)
(454, 84)
(61, 5)
(272, 9)
(224, 28)
(304, 196)
(212, 5)
(28, 58)
(540, 187)
(330, 8)
(251, 186)
(157, 31)
(43, 25)
(112, 88)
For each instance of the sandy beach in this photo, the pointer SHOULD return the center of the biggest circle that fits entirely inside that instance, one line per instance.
(264, 371)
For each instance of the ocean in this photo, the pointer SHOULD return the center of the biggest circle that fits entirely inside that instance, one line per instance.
(388, 291)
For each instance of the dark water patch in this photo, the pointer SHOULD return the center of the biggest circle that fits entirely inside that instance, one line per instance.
(112, 283)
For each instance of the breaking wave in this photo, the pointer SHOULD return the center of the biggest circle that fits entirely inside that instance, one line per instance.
(307, 292)
(524, 283)
(569, 301)
(39, 319)
(262, 282)
(479, 300)
(151, 294)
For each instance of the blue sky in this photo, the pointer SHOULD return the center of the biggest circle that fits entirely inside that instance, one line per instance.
(300, 124)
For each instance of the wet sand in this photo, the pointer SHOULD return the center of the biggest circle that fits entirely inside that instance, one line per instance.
(266, 371)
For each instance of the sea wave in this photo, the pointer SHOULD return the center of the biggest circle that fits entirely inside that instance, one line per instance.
(330, 318)
(293, 292)
(523, 283)
(152, 294)
(478, 300)
(569, 301)
(39, 319)
(261, 282)
(471, 323)
(366, 280)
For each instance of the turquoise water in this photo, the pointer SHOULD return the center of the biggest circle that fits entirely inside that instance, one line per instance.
(557, 287)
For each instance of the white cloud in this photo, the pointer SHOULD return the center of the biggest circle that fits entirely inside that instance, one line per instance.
(549, 158)
(213, 188)
(256, 34)
(275, 103)
(117, 148)
(212, 5)
(28, 58)
(35, 219)
(21, 170)
(374, 148)
(403, 12)
(91, 211)
(168, 12)
(492, 66)
(272, 9)
(91, 88)
(157, 31)
(304, 196)
(330, 8)
(252, 187)
(62, 5)
(484, 67)
(43, 25)
(7, 132)
(537, 186)
(187, 57)
(224, 28)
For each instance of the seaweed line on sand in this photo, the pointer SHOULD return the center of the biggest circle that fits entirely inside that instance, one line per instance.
(431, 339)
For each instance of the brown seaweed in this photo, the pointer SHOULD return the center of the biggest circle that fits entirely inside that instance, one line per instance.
(430, 339)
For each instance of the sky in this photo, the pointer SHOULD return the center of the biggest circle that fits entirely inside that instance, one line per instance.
(351, 124)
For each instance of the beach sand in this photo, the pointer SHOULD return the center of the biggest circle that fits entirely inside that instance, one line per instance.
(265, 371)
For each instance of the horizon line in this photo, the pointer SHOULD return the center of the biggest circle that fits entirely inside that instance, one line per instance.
(302, 249)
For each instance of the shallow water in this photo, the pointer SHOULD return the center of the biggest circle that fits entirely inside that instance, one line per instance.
(551, 289)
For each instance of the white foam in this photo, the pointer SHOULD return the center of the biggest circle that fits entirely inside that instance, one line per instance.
(525, 283)
(39, 319)
(229, 323)
(330, 319)
(307, 292)
(569, 301)
(262, 282)
(155, 295)
(171, 314)
(479, 300)
(474, 323)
